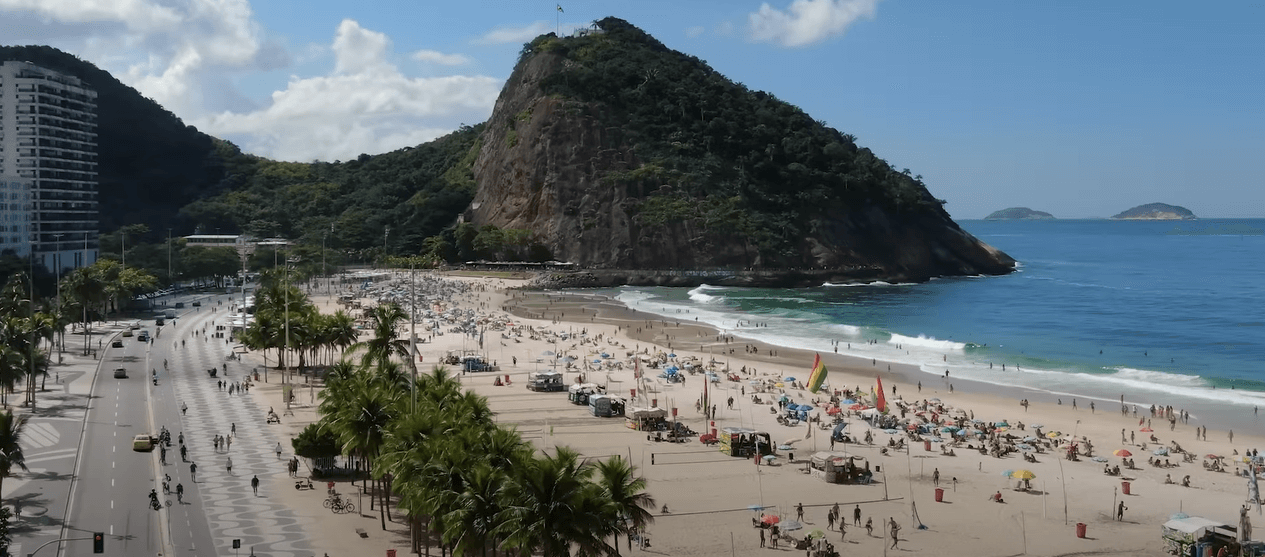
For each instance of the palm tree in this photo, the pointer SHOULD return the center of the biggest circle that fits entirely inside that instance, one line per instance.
(552, 505)
(626, 500)
(385, 342)
(362, 423)
(10, 450)
(473, 518)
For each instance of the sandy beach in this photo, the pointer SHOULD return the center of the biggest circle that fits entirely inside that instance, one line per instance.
(710, 495)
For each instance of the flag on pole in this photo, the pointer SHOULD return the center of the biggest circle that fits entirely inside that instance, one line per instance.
(817, 376)
(879, 401)
(560, 8)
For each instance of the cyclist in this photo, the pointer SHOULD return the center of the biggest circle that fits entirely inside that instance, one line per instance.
(180, 492)
(183, 453)
(164, 363)
(153, 499)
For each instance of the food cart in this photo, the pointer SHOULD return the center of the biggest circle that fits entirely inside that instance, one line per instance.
(606, 406)
(840, 468)
(743, 442)
(647, 419)
(579, 393)
(546, 381)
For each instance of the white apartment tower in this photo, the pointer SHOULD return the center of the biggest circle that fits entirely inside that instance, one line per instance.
(48, 166)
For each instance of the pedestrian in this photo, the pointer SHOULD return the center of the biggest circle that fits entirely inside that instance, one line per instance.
(184, 454)
(830, 520)
(181, 437)
(843, 531)
(895, 533)
(193, 472)
(228, 443)
(1120, 511)
(233, 428)
(935, 477)
(278, 451)
(761, 538)
(254, 484)
(799, 512)
(856, 515)
(184, 408)
(228, 464)
(869, 526)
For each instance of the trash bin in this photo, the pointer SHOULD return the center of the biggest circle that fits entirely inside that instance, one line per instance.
(939, 495)
(926, 445)
(1080, 529)
(1124, 487)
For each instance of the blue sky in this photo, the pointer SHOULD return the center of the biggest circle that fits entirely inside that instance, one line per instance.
(1079, 108)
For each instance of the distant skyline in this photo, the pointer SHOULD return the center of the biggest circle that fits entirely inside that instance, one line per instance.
(1079, 108)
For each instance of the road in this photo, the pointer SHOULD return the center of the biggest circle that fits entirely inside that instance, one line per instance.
(113, 480)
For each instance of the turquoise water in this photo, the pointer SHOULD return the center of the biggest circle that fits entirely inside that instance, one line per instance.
(1162, 312)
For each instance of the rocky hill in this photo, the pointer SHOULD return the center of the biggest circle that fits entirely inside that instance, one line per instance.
(1019, 213)
(618, 153)
(1156, 211)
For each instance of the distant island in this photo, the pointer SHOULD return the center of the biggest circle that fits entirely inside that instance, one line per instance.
(1156, 211)
(1024, 213)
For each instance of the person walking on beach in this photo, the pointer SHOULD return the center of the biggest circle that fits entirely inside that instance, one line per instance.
(869, 527)
(1120, 511)
(761, 538)
(254, 484)
(799, 512)
(193, 472)
(278, 451)
(895, 533)
(830, 520)
(228, 465)
(856, 515)
(935, 477)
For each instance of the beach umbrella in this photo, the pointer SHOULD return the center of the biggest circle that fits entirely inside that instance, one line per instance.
(784, 447)
(771, 519)
(1146, 430)
(1023, 475)
(788, 379)
(933, 400)
(1122, 452)
(1212, 456)
(856, 407)
(597, 361)
(1002, 424)
(1162, 451)
(891, 431)
(757, 507)
(1029, 438)
(1036, 426)
(1178, 516)
(816, 534)
(791, 526)
(833, 410)
(769, 458)
(1007, 473)
(1053, 434)
(1024, 447)
(548, 353)
(671, 355)
(948, 429)
(1099, 459)
(849, 401)
(779, 385)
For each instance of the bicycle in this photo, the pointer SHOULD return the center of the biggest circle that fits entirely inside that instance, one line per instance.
(333, 498)
(343, 507)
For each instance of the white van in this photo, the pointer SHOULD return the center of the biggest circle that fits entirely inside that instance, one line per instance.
(170, 314)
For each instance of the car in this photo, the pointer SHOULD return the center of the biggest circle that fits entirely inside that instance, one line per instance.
(143, 336)
(120, 373)
(160, 322)
(143, 442)
(179, 305)
(116, 344)
(197, 304)
(127, 333)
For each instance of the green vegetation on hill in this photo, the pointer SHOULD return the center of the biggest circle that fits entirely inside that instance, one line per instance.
(150, 164)
(741, 161)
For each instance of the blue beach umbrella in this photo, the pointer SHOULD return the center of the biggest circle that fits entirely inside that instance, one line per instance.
(1007, 473)
(788, 378)
(672, 355)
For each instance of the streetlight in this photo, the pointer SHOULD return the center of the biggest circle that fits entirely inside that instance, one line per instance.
(169, 280)
(57, 263)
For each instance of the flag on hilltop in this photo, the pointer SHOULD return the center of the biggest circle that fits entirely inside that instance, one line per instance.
(879, 401)
(560, 8)
(817, 376)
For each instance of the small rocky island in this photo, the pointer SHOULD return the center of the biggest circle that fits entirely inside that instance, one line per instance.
(1156, 211)
(1019, 213)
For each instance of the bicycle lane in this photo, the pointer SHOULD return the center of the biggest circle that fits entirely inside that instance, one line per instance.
(223, 499)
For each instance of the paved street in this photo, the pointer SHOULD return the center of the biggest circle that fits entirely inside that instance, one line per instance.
(110, 493)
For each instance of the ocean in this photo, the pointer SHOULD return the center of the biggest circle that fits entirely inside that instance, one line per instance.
(1163, 312)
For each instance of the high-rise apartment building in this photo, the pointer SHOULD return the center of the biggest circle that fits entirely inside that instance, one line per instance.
(48, 165)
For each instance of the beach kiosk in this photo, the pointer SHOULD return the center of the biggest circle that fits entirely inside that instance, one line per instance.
(579, 393)
(546, 381)
(605, 406)
(647, 419)
(840, 468)
(1195, 536)
(743, 442)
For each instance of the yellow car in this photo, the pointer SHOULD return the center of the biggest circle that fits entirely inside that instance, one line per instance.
(143, 442)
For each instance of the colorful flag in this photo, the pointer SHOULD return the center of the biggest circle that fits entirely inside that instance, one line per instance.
(817, 376)
(879, 401)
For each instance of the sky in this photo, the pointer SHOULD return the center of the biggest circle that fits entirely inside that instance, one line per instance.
(1080, 108)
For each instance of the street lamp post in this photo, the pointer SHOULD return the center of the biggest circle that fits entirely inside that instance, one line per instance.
(169, 280)
(57, 263)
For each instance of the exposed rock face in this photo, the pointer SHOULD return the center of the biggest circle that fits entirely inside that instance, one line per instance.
(1019, 213)
(1156, 211)
(541, 166)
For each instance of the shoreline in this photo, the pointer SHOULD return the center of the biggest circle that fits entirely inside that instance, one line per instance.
(1211, 409)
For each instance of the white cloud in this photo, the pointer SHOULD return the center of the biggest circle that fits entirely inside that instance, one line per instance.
(502, 35)
(807, 22)
(725, 29)
(135, 14)
(365, 106)
(694, 31)
(437, 57)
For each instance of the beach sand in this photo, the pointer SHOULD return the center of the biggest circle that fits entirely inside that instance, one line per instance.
(709, 494)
